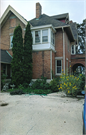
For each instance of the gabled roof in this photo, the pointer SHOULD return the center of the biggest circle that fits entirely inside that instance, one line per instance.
(5, 57)
(74, 30)
(61, 16)
(46, 20)
(8, 11)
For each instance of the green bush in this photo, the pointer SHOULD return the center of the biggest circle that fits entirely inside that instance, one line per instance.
(41, 84)
(54, 85)
(3, 77)
(81, 81)
(71, 84)
(28, 91)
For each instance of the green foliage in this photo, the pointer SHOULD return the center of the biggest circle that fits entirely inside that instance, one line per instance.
(28, 91)
(27, 61)
(20, 87)
(54, 85)
(3, 77)
(81, 82)
(17, 64)
(71, 84)
(41, 84)
(81, 35)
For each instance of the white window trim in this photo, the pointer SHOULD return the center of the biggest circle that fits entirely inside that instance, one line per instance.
(10, 41)
(47, 35)
(74, 50)
(53, 38)
(40, 37)
(58, 58)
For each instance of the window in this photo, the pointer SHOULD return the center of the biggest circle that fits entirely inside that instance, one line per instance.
(11, 38)
(58, 66)
(44, 35)
(37, 36)
(52, 37)
(76, 50)
(72, 49)
(4, 69)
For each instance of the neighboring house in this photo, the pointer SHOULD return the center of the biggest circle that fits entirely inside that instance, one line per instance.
(5, 63)
(54, 39)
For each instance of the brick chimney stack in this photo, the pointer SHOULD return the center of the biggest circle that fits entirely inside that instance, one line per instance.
(38, 10)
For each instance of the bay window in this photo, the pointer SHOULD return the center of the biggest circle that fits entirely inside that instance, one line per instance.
(52, 37)
(44, 35)
(37, 36)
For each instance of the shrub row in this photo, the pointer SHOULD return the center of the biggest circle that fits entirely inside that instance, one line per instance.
(40, 86)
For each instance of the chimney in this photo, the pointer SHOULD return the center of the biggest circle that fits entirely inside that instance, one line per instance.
(71, 21)
(38, 10)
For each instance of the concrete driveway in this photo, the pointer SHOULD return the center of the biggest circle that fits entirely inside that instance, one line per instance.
(40, 115)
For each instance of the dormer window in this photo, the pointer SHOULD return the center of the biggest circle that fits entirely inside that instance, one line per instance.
(37, 36)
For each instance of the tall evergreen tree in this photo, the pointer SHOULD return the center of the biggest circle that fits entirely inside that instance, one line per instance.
(16, 64)
(81, 36)
(27, 55)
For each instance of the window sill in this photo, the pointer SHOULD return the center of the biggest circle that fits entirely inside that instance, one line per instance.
(58, 74)
(10, 48)
(40, 43)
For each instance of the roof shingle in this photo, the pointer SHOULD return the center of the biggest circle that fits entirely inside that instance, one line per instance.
(5, 57)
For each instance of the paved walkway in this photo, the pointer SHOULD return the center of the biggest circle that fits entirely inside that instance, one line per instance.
(54, 114)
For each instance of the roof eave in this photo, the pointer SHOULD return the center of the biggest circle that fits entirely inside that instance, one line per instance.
(15, 12)
(67, 26)
(43, 26)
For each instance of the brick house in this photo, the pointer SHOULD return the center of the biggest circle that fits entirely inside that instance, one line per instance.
(54, 39)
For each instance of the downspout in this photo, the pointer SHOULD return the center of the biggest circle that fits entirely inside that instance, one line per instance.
(51, 64)
(63, 51)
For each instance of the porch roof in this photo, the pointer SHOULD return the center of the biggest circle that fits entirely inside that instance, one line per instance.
(5, 57)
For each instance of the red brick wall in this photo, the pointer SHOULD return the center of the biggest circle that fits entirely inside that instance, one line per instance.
(7, 29)
(67, 51)
(41, 64)
(59, 43)
(53, 62)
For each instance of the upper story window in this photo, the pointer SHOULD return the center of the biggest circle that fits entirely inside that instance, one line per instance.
(72, 49)
(44, 35)
(37, 36)
(52, 37)
(11, 38)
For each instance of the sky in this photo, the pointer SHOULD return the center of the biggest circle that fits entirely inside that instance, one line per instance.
(75, 8)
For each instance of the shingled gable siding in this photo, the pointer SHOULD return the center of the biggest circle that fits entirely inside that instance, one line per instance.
(41, 64)
(7, 30)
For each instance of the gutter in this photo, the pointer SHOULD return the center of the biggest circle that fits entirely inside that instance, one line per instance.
(43, 26)
(63, 51)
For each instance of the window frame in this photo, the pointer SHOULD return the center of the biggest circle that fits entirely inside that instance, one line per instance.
(52, 38)
(11, 38)
(39, 36)
(44, 36)
(57, 66)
